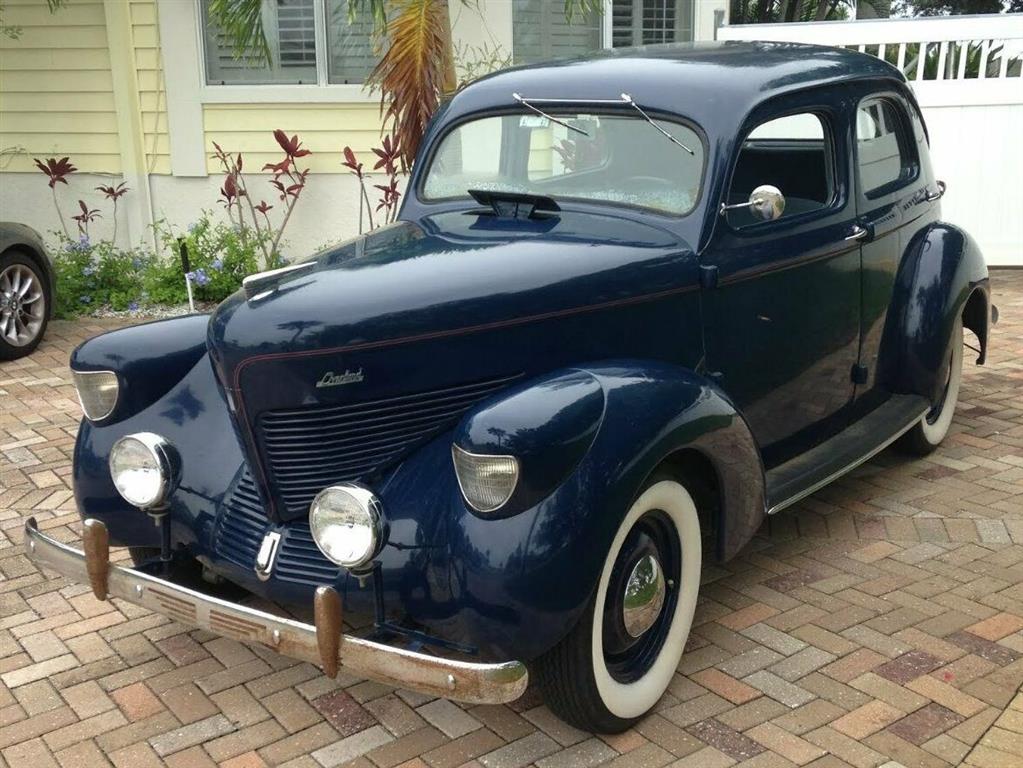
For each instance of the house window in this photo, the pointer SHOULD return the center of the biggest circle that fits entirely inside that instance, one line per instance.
(648, 22)
(311, 42)
(540, 30)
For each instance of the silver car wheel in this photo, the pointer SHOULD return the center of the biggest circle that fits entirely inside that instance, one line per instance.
(22, 305)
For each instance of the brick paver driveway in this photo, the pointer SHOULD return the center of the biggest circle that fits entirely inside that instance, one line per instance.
(880, 621)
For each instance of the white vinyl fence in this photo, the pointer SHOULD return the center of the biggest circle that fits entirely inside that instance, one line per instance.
(967, 74)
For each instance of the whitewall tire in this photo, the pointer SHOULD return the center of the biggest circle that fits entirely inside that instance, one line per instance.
(927, 434)
(600, 677)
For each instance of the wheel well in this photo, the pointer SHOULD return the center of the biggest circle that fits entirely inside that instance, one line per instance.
(697, 473)
(975, 317)
(32, 253)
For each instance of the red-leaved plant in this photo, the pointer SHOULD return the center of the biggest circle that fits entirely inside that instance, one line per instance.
(113, 194)
(87, 216)
(57, 171)
(288, 179)
(388, 158)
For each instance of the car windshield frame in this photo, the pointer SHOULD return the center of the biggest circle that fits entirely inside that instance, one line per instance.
(562, 112)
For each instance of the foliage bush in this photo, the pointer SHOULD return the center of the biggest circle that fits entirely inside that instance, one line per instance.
(220, 256)
(97, 275)
(90, 276)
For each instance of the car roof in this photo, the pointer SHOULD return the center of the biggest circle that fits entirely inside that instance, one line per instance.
(702, 81)
(716, 85)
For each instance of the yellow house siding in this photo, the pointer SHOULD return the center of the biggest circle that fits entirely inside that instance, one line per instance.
(323, 128)
(56, 91)
(152, 97)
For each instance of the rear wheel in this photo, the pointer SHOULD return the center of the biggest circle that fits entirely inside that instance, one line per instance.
(927, 434)
(616, 663)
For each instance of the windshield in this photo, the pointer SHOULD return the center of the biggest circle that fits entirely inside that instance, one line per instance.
(620, 159)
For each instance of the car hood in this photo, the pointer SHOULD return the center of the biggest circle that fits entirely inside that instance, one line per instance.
(395, 334)
(453, 272)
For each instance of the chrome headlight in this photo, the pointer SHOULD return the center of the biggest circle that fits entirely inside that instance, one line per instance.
(143, 467)
(487, 482)
(346, 524)
(97, 392)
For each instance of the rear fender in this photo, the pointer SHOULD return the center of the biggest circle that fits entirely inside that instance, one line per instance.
(942, 277)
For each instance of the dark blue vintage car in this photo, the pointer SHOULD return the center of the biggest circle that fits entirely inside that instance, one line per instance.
(633, 305)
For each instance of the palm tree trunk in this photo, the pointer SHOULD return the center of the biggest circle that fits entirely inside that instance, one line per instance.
(450, 81)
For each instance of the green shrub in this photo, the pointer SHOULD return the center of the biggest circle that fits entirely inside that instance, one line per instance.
(219, 256)
(93, 276)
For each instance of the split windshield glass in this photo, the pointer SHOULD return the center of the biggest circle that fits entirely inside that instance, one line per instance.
(617, 159)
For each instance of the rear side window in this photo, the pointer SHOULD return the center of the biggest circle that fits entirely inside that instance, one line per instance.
(792, 153)
(882, 147)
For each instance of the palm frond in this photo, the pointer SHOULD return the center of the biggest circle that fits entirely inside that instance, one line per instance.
(585, 7)
(241, 22)
(415, 70)
(377, 10)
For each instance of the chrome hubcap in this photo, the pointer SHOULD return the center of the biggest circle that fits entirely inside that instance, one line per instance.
(22, 305)
(644, 596)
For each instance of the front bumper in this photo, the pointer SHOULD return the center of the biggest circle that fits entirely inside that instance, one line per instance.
(322, 644)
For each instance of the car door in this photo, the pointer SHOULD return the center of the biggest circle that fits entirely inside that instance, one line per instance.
(895, 198)
(782, 323)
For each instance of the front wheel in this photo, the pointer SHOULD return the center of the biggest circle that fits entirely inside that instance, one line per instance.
(615, 665)
(927, 434)
(24, 305)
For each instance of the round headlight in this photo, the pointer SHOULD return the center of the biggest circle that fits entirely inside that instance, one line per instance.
(346, 524)
(142, 467)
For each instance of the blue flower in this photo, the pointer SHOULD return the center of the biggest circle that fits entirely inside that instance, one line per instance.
(88, 271)
(136, 263)
(201, 278)
(85, 299)
(83, 241)
(133, 307)
(217, 264)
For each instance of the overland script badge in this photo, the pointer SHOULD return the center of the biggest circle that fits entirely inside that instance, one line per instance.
(331, 379)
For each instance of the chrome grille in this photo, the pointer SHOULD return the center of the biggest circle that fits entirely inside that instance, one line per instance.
(301, 561)
(241, 524)
(307, 449)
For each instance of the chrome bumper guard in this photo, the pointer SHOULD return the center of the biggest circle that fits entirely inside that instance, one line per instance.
(322, 644)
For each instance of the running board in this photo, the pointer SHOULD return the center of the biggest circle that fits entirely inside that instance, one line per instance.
(811, 471)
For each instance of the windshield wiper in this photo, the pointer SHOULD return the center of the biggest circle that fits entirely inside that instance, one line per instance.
(625, 99)
(540, 112)
(628, 100)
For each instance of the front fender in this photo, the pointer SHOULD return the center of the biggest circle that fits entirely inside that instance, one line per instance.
(941, 274)
(149, 359)
(531, 575)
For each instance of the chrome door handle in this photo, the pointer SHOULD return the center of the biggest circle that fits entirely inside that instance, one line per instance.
(858, 233)
(932, 196)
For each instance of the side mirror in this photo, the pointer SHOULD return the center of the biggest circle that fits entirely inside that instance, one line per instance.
(766, 203)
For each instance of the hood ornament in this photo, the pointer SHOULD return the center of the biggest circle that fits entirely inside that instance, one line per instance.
(331, 379)
(261, 283)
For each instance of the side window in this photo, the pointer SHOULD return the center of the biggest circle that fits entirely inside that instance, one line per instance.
(792, 153)
(883, 151)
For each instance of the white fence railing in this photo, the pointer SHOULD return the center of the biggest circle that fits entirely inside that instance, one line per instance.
(967, 74)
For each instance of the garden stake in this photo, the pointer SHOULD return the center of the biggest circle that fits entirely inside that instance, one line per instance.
(186, 268)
